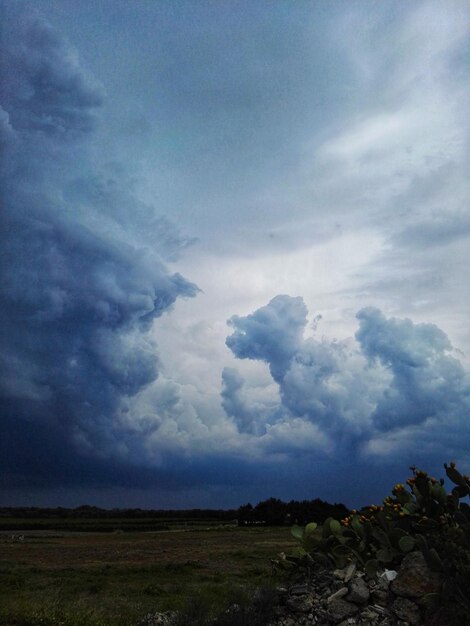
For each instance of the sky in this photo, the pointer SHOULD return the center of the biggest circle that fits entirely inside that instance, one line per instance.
(235, 249)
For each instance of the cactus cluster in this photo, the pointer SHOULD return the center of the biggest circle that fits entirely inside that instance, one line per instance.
(420, 515)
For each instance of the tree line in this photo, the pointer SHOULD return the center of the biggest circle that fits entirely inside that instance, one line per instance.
(270, 512)
(274, 512)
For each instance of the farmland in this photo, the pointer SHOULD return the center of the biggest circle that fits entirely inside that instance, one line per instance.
(53, 575)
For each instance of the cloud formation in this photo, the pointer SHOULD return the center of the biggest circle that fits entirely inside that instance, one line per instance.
(81, 285)
(427, 381)
(397, 375)
(253, 409)
(272, 334)
(320, 152)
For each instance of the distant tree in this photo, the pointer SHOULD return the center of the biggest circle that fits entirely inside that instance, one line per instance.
(274, 512)
(245, 514)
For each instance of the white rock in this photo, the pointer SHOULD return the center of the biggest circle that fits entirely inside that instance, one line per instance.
(389, 574)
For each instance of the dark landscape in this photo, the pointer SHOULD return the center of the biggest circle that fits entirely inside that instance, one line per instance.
(400, 563)
(117, 578)
(95, 566)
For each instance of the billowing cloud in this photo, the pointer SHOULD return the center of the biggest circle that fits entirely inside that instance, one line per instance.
(234, 402)
(397, 375)
(427, 381)
(81, 282)
(272, 334)
(253, 409)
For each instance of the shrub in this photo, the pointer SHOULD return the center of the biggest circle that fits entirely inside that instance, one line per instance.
(419, 516)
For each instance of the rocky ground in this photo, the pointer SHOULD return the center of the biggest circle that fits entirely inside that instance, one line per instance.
(346, 597)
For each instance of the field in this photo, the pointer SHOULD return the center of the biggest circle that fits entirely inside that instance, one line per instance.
(77, 578)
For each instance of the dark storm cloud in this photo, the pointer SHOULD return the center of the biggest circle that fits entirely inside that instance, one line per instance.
(44, 90)
(399, 375)
(427, 381)
(285, 138)
(82, 271)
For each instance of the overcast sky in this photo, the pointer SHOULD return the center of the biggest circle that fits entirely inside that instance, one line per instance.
(235, 249)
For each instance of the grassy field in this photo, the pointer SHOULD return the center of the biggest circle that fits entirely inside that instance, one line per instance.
(100, 579)
(93, 524)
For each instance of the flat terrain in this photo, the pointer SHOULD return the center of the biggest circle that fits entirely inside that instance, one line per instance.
(116, 578)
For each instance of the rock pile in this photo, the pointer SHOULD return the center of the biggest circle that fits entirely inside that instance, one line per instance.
(346, 597)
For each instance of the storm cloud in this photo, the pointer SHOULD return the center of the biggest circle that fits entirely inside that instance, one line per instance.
(396, 375)
(272, 333)
(81, 285)
(319, 151)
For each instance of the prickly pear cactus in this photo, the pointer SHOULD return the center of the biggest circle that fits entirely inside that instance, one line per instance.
(418, 515)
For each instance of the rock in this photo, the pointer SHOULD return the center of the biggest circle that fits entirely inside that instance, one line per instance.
(339, 609)
(369, 615)
(323, 580)
(339, 594)
(349, 573)
(406, 610)
(299, 590)
(358, 591)
(389, 574)
(379, 597)
(382, 583)
(415, 579)
(380, 610)
(300, 604)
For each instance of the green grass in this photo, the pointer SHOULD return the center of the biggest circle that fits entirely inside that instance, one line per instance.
(116, 579)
